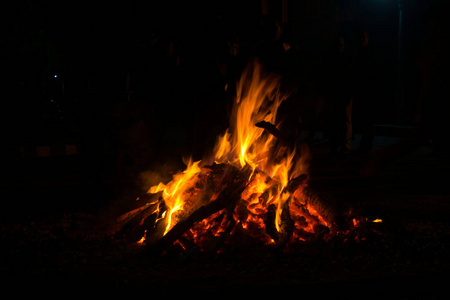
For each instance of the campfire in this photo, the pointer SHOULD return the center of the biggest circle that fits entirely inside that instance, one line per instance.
(254, 185)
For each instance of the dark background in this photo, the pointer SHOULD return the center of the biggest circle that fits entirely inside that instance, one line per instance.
(87, 41)
(130, 84)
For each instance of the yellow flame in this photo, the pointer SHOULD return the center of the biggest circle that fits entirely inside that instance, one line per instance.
(169, 222)
(157, 188)
(282, 200)
(174, 191)
(142, 240)
(223, 147)
(257, 99)
(282, 174)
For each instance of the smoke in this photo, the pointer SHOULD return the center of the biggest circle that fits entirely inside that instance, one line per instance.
(160, 172)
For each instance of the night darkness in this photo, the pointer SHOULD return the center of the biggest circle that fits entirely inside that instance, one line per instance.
(97, 98)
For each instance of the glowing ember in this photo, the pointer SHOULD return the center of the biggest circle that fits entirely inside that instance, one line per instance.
(142, 240)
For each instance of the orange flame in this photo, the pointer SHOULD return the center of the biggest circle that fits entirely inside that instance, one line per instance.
(257, 99)
(174, 191)
(142, 240)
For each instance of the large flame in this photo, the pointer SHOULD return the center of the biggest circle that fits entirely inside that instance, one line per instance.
(257, 99)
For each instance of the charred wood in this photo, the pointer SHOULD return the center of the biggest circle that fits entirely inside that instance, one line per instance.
(270, 128)
(295, 183)
(320, 231)
(324, 204)
(206, 189)
(287, 225)
(158, 230)
(227, 199)
(136, 222)
(127, 217)
(269, 221)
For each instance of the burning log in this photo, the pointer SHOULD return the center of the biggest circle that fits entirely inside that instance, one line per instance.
(324, 205)
(269, 221)
(270, 128)
(295, 183)
(136, 222)
(287, 224)
(282, 237)
(298, 207)
(226, 200)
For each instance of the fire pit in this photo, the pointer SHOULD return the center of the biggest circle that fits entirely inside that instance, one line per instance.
(255, 184)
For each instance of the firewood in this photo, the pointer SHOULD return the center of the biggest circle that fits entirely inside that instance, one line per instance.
(287, 224)
(264, 198)
(205, 189)
(270, 128)
(157, 231)
(294, 183)
(136, 222)
(227, 199)
(230, 226)
(324, 204)
(269, 221)
(150, 204)
(321, 230)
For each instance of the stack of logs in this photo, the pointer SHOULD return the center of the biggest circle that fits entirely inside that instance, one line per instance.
(228, 182)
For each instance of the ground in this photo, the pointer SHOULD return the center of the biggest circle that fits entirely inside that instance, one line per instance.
(404, 185)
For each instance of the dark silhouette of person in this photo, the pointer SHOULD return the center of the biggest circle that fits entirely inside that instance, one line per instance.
(366, 83)
(339, 97)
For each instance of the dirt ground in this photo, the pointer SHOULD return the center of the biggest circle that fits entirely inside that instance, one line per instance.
(410, 193)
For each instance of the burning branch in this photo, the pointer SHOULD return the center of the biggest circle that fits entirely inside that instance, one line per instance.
(270, 128)
(226, 200)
